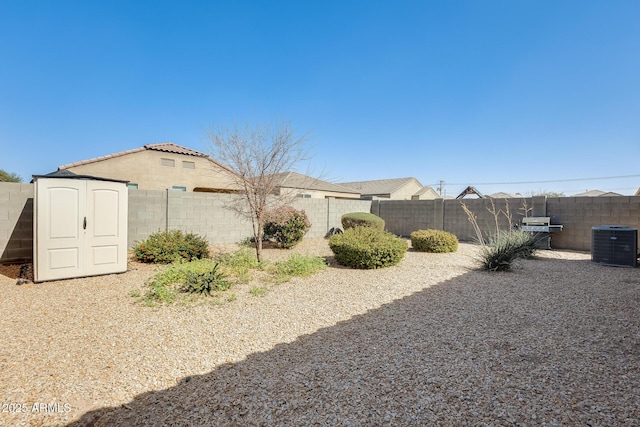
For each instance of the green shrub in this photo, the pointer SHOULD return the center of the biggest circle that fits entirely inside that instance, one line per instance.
(366, 248)
(506, 247)
(286, 225)
(165, 247)
(297, 265)
(205, 282)
(203, 276)
(239, 264)
(362, 219)
(437, 241)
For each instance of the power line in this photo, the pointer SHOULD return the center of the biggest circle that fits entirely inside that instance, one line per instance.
(440, 183)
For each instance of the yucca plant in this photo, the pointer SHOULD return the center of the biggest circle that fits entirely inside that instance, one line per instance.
(505, 247)
(206, 282)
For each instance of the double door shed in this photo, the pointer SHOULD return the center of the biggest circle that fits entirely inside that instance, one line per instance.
(80, 226)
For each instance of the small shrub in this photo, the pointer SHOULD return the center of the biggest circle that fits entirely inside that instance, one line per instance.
(366, 248)
(239, 264)
(362, 219)
(167, 285)
(258, 291)
(206, 282)
(287, 226)
(297, 265)
(165, 247)
(436, 241)
(506, 247)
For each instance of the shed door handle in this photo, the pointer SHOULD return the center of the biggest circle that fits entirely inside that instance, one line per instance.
(84, 223)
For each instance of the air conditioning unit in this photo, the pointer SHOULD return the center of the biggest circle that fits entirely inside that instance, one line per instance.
(614, 245)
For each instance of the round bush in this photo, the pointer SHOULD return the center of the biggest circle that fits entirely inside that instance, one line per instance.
(437, 241)
(286, 225)
(362, 219)
(367, 248)
(165, 247)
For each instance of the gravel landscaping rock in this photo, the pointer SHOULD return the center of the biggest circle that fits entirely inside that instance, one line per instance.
(431, 341)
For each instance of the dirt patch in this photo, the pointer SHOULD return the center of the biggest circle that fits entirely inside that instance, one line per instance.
(11, 271)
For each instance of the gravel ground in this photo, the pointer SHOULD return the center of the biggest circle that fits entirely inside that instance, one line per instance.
(431, 341)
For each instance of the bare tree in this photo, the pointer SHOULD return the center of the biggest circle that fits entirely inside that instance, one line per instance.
(257, 155)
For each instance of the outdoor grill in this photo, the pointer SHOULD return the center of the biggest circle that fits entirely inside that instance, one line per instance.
(543, 226)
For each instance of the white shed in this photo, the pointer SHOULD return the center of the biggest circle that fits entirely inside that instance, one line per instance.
(80, 226)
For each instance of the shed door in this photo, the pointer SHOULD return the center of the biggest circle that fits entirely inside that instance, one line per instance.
(60, 205)
(106, 228)
(81, 228)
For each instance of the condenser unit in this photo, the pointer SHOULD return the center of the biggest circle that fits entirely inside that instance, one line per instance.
(614, 245)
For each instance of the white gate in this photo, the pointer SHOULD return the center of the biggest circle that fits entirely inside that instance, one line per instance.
(80, 228)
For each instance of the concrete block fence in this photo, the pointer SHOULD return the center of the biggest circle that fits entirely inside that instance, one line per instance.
(150, 211)
(577, 214)
(16, 221)
(206, 214)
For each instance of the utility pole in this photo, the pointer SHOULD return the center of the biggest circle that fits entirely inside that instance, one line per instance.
(440, 185)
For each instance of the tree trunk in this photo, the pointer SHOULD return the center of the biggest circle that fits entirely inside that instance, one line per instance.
(259, 248)
(257, 235)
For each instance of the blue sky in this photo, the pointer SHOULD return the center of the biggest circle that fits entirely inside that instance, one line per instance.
(468, 92)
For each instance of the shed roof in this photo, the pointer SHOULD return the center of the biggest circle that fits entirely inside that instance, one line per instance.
(70, 175)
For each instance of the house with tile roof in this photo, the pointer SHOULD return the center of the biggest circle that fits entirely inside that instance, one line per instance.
(504, 195)
(597, 193)
(426, 193)
(394, 188)
(159, 167)
(308, 187)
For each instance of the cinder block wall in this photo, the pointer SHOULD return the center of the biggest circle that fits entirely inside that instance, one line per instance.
(580, 214)
(402, 217)
(147, 213)
(16, 222)
(577, 214)
(206, 214)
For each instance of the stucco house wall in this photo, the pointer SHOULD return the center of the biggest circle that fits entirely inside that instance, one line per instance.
(426, 193)
(157, 170)
(406, 191)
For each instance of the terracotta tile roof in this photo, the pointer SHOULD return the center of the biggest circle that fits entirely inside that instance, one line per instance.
(170, 147)
(167, 147)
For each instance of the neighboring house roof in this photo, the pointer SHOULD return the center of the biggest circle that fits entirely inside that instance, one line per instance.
(426, 193)
(637, 192)
(425, 190)
(379, 186)
(503, 195)
(597, 193)
(168, 147)
(304, 182)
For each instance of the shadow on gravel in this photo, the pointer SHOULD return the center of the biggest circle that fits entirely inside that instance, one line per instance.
(525, 348)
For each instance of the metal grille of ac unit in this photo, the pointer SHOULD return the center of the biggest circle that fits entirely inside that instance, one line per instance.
(614, 245)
